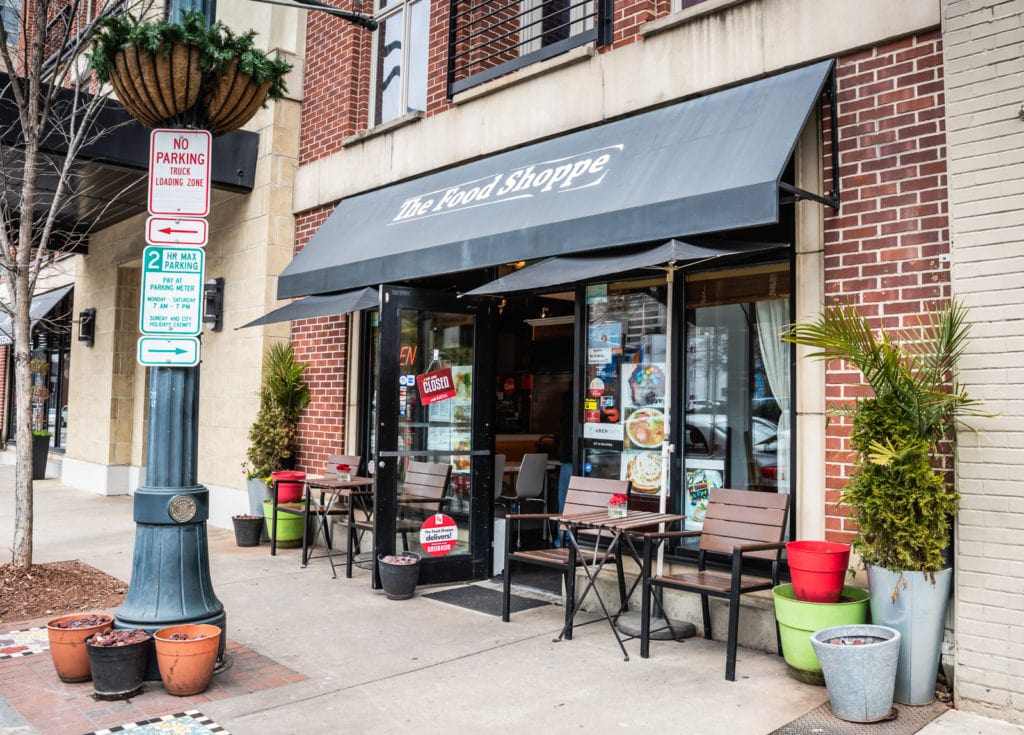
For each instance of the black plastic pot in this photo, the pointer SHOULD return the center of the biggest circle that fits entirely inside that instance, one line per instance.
(118, 671)
(248, 530)
(40, 453)
(399, 580)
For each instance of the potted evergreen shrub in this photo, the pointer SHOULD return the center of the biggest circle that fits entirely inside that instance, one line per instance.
(284, 394)
(900, 499)
(186, 74)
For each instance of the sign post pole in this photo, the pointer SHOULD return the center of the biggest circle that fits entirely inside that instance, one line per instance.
(170, 582)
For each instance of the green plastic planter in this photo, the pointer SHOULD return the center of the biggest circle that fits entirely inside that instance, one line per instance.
(798, 620)
(289, 525)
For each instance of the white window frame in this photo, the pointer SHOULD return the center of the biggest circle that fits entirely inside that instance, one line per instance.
(382, 15)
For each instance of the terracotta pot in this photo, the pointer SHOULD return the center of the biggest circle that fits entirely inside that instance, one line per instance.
(186, 666)
(234, 97)
(158, 90)
(67, 645)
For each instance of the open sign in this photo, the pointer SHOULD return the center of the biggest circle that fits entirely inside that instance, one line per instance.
(435, 386)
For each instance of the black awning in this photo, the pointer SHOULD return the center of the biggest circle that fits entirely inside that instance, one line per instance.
(314, 306)
(42, 305)
(706, 165)
(569, 269)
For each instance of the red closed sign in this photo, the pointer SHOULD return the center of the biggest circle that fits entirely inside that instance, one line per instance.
(439, 534)
(435, 386)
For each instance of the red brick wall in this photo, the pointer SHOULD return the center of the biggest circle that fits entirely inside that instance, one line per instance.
(337, 69)
(336, 87)
(883, 249)
(323, 345)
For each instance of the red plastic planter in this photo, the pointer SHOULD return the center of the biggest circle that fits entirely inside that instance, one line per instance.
(288, 492)
(818, 569)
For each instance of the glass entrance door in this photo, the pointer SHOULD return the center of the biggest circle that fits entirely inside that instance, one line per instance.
(434, 407)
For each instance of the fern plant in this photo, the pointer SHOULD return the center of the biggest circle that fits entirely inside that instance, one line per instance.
(900, 502)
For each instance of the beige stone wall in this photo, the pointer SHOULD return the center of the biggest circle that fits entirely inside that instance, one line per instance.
(251, 241)
(985, 134)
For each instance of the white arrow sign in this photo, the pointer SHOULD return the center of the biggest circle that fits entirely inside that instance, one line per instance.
(178, 231)
(180, 351)
(179, 172)
(172, 291)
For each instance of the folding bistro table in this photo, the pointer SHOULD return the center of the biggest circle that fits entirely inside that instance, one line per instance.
(358, 490)
(612, 535)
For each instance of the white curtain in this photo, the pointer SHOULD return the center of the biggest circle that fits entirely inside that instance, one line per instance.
(772, 316)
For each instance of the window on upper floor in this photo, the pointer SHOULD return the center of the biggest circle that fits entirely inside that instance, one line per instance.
(11, 10)
(494, 37)
(400, 59)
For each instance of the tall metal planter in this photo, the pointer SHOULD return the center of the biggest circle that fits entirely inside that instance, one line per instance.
(913, 605)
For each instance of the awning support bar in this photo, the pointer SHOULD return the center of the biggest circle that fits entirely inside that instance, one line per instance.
(832, 197)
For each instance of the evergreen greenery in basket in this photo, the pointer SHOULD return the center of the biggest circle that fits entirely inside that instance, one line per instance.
(188, 73)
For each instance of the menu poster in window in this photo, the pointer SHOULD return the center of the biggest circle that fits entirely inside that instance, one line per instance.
(644, 469)
(601, 402)
(461, 442)
(440, 412)
(643, 398)
(701, 477)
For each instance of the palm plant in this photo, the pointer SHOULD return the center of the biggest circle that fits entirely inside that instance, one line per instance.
(901, 503)
(283, 382)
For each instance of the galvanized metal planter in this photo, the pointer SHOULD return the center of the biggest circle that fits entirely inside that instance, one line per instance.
(859, 664)
(916, 607)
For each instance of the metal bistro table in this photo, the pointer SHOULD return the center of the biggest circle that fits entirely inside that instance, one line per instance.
(331, 490)
(616, 534)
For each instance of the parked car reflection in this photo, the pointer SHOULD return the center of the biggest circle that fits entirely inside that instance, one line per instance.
(705, 437)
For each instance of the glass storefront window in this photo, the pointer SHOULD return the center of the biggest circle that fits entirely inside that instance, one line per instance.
(734, 398)
(737, 385)
(624, 382)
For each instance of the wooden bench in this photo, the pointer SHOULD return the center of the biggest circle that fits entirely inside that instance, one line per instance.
(739, 526)
(586, 494)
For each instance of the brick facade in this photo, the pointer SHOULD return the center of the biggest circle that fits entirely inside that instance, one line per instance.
(323, 345)
(887, 248)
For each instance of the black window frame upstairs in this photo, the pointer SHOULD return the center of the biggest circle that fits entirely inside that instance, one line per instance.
(600, 33)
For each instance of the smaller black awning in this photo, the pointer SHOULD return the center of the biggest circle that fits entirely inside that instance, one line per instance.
(566, 270)
(42, 305)
(314, 306)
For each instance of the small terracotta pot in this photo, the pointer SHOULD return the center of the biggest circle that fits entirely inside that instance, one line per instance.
(67, 646)
(186, 666)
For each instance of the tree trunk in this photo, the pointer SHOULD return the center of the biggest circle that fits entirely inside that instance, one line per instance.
(22, 299)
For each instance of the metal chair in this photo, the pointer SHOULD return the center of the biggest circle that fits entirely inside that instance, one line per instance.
(531, 488)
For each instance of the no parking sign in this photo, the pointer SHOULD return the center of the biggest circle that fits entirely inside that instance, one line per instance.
(439, 534)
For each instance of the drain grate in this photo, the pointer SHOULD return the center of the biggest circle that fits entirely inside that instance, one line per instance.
(821, 721)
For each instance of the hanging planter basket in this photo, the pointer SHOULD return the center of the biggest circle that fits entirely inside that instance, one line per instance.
(186, 75)
(158, 90)
(233, 99)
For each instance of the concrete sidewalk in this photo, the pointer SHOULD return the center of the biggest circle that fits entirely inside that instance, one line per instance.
(382, 666)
